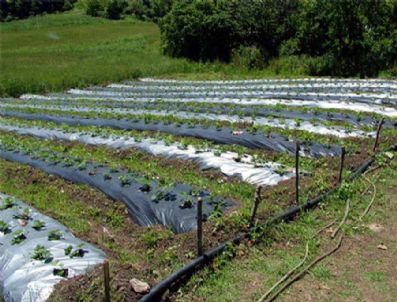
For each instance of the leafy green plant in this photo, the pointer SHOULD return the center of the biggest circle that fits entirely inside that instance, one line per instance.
(4, 227)
(42, 254)
(107, 176)
(7, 203)
(55, 235)
(73, 253)
(38, 225)
(124, 180)
(18, 237)
(24, 214)
(61, 272)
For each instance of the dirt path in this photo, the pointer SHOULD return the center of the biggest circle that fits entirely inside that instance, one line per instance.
(360, 270)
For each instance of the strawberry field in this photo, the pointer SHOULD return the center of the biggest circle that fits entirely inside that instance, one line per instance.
(125, 166)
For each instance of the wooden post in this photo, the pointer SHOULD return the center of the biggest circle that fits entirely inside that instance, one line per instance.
(256, 204)
(297, 172)
(106, 278)
(377, 134)
(199, 227)
(342, 160)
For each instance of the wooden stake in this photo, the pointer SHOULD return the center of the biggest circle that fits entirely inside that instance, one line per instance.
(106, 278)
(377, 133)
(199, 227)
(256, 204)
(342, 160)
(297, 172)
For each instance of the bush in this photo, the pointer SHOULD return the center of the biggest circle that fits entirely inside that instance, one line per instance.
(20, 9)
(149, 9)
(339, 37)
(249, 57)
(115, 8)
(94, 8)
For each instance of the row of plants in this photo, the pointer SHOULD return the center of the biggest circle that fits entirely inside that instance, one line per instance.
(150, 201)
(253, 169)
(256, 157)
(251, 81)
(297, 89)
(169, 120)
(279, 110)
(307, 101)
(294, 121)
(251, 137)
(389, 99)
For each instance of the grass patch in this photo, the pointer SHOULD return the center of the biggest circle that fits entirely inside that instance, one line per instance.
(59, 51)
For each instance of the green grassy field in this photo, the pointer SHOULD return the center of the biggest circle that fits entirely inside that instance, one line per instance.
(56, 52)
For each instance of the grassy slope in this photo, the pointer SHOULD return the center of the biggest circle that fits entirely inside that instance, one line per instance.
(55, 52)
(258, 268)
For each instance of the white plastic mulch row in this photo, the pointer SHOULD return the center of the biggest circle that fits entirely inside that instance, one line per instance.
(295, 80)
(330, 104)
(264, 174)
(260, 121)
(25, 279)
(238, 86)
(376, 97)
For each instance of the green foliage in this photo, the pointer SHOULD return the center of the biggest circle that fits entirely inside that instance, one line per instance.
(38, 225)
(115, 8)
(18, 237)
(341, 37)
(42, 254)
(4, 227)
(149, 9)
(210, 30)
(20, 9)
(7, 203)
(249, 57)
(55, 235)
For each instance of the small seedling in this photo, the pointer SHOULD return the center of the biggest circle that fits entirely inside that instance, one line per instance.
(55, 235)
(18, 237)
(24, 215)
(38, 225)
(82, 166)
(145, 188)
(4, 227)
(42, 254)
(186, 204)
(107, 176)
(7, 203)
(61, 272)
(68, 250)
(78, 252)
(217, 153)
(124, 180)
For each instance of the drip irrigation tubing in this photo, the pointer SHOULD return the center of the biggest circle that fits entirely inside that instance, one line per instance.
(184, 273)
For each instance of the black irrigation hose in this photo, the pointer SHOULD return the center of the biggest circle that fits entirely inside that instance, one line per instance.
(157, 291)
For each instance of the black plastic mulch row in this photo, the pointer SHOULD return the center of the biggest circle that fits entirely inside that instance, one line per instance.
(147, 203)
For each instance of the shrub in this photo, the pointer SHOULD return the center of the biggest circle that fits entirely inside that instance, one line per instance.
(20, 9)
(115, 8)
(149, 9)
(248, 56)
(94, 8)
